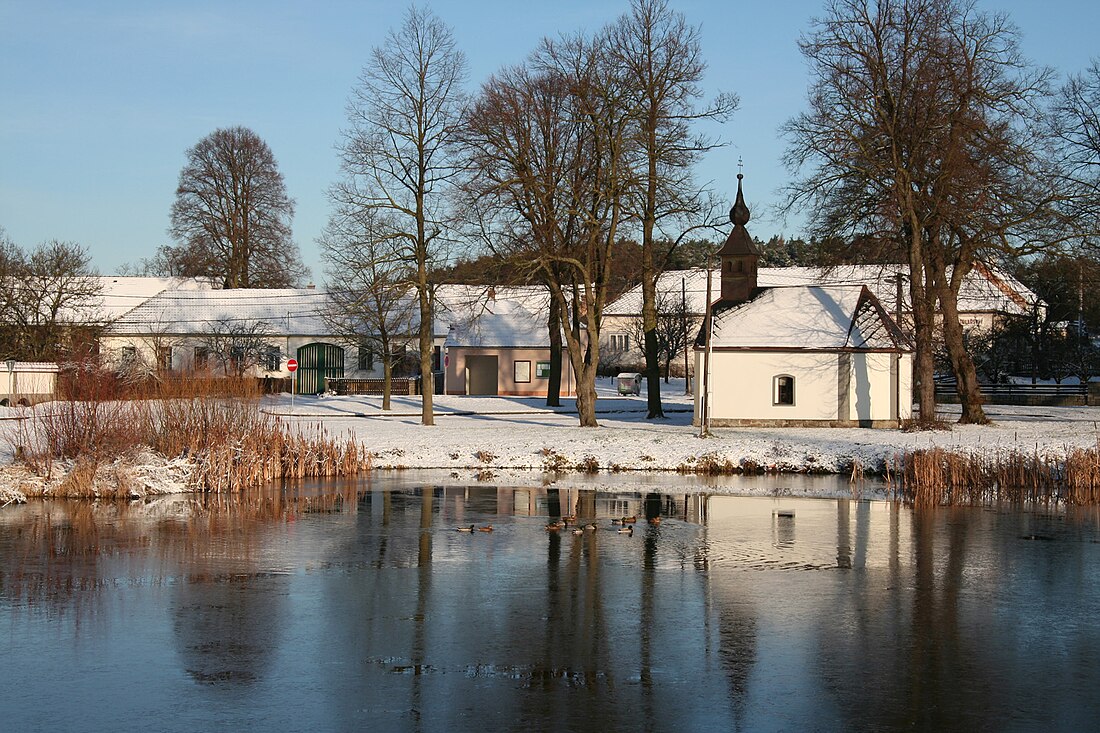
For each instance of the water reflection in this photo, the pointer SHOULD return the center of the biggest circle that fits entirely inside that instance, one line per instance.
(363, 607)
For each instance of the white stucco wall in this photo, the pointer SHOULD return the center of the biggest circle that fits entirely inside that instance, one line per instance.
(872, 391)
(27, 382)
(741, 384)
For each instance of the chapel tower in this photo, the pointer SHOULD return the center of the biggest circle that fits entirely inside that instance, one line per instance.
(739, 255)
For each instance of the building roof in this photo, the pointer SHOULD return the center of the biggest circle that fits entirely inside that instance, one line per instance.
(281, 310)
(985, 289)
(807, 318)
(514, 317)
(120, 294)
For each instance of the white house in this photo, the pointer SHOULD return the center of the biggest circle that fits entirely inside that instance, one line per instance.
(987, 295)
(799, 355)
(175, 326)
(180, 330)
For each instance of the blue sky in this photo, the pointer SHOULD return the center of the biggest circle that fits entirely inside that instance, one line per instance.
(100, 100)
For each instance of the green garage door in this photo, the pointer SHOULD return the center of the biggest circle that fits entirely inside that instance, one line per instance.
(317, 363)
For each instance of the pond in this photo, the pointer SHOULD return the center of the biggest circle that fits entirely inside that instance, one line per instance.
(363, 608)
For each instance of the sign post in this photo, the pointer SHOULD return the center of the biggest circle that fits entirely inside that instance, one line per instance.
(292, 366)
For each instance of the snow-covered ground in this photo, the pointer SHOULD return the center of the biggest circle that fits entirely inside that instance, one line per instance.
(522, 433)
(520, 438)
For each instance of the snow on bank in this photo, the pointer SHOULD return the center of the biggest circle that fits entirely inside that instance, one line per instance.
(143, 474)
(519, 439)
(521, 433)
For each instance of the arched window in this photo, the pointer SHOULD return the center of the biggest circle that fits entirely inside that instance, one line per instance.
(783, 389)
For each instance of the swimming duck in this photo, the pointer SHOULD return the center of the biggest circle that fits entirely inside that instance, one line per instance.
(590, 525)
(655, 520)
(628, 530)
(555, 526)
(466, 529)
(486, 528)
(630, 520)
(578, 530)
(620, 520)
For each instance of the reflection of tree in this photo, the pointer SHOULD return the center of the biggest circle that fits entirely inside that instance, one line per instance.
(227, 614)
(737, 647)
(226, 626)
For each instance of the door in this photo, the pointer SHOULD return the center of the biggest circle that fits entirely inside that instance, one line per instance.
(317, 363)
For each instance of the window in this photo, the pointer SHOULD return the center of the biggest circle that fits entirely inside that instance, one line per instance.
(522, 372)
(202, 357)
(620, 342)
(128, 354)
(783, 390)
(237, 362)
(366, 357)
(272, 359)
(542, 369)
(164, 358)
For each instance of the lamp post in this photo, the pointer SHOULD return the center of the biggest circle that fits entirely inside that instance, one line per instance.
(10, 363)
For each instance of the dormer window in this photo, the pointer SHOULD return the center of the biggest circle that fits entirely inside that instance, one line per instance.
(783, 389)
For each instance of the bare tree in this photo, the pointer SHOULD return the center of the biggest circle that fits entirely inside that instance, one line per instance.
(396, 153)
(1076, 128)
(232, 215)
(919, 136)
(660, 62)
(675, 331)
(369, 284)
(237, 346)
(547, 146)
(50, 308)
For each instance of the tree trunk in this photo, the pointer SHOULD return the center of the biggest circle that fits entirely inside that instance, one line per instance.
(427, 382)
(966, 375)
(923, 320)
(553, 388)
(387, 374)
(586, 397)
(649, 326)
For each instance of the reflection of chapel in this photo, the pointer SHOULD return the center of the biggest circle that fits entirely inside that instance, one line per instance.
(798, 355)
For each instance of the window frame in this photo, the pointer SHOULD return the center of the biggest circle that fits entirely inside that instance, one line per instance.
(778, 389)
(519, 372)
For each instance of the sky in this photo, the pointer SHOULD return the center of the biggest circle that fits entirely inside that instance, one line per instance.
(99, 101)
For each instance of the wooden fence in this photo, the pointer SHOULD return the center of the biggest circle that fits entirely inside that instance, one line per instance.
(373, 386)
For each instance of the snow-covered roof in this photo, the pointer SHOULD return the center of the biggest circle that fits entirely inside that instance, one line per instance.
(495, 317)
(806, 318)
(120, 294)
(281, 310)
(985, 289)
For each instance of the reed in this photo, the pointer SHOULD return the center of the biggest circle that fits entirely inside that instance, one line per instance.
(217, 424)
(937, 477)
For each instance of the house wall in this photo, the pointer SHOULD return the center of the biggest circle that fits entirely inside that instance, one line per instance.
(183, 352)
(456, 364)
(876, 385)
(831, 388)
(27, 383)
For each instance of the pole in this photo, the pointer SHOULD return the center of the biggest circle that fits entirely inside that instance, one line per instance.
(704, 395)
(293, 389)
(687, 341)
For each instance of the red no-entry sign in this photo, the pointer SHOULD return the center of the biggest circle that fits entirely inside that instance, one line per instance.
(292, 365)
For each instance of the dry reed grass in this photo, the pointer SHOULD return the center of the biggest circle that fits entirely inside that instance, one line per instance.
(937, 477)
(216, 423)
